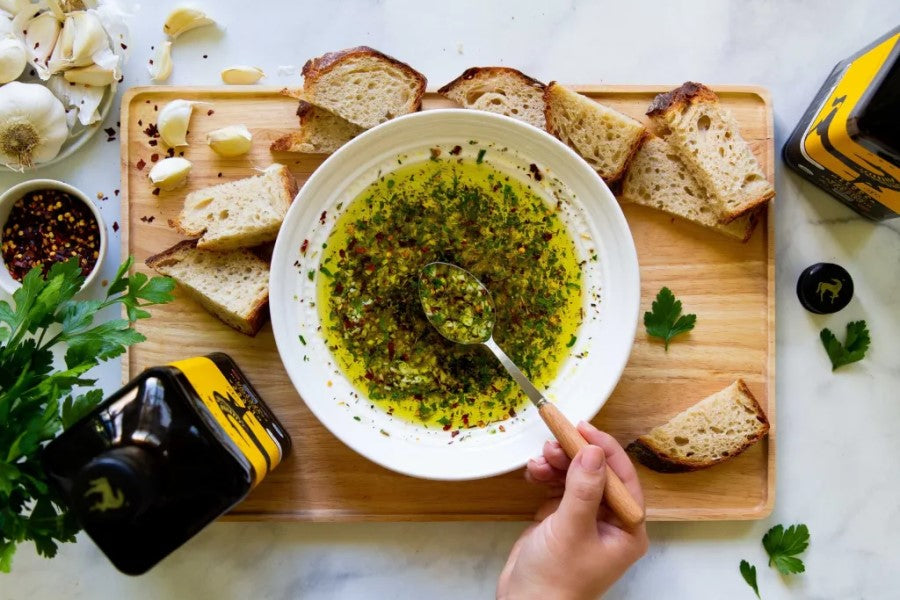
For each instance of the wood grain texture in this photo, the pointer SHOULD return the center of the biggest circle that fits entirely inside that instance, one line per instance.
(729, 285)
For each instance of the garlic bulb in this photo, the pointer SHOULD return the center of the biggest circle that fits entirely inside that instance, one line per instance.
(32, 125)
(242, 75)
(12, 58)
(170, 173)
(184, 19)
(161, 66)
(173, 121)
(233, 140)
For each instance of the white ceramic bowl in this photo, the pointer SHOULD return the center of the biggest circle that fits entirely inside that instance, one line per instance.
(597, 226)
(10, 197)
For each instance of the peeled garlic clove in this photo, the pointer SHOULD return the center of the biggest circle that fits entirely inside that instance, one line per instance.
(161, 66)
(173, 122)
(12, 59)
(92, 75)
(184, 19)
(242, 75)
(89, 37)
(170, 173)
(233, 140)
(61, 59)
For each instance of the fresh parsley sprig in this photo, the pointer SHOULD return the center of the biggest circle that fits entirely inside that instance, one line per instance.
(665, 319)
(852, 350)
(38, 400)
(748, 572)
(783, 545)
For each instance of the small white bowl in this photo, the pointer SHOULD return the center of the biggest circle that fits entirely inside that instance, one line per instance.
(9, 198)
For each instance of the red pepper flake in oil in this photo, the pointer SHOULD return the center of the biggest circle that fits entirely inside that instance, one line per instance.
(322, 217)
(49, 226)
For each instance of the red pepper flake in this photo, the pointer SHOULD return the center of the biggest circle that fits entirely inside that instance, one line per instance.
(338, 288)
(147, 219)
(116, 192)
(465, 419)
(435, 153)
(322, 217)
(447, 427)
(456, 150)
(140, 164)
(151, 61)
(206, 56)
(140, 123)
(210, 112)
(181, 153)
(453, 434)
(152, 130)
(45, 227)
(220, 174)
(535, 172)
(124, 47)
(154, 157)
(502, 428)
(512, 411)
(391, 349)
(304, 246)
(155, 191)
(170, 152)
(115, 226)
(155, 107)
(370, 268)
(152, 143)
(547, 236)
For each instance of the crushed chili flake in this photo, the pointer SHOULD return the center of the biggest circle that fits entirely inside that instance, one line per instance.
(115, 226)
(124, 47)
(322, 217)
(220, 174)
(116, 192)
(455, 433)
(170, 152)
(155, 191)
(152, 143)
(140, 123)
(304, 246)
(206, 56)
(535, 172)
(210, 112)
(154, 157)
(152, 130)
(456, 150)
(148, 219)
(140, 164)
(49, 226)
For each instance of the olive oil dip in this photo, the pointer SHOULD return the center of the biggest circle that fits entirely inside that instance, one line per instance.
(465, 212)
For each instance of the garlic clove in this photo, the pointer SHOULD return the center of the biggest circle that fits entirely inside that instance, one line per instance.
(233, 140)
(91, 75)
(161, 66)
(81, 101)
(170, 173)
(40, 35)
(89, 37)
(242, 75)
(184, 19)
(13, 58)
(61, 58)
(173, 121)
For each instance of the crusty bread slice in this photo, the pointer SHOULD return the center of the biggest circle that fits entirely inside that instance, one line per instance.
(232, 285)
(238, 214)
(657, 178)
(363, 85)
(321, 132)
(715, 429)
(708, 140)
(499, 90)
(604, 137)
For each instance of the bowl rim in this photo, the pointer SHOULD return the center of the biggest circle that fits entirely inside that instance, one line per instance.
(9, 197)
(283, 251)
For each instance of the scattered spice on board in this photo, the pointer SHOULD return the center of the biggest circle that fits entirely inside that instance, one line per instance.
(140, 164)
(49, 226)
(115, 226)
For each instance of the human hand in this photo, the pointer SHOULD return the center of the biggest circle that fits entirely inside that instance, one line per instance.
(577, 548)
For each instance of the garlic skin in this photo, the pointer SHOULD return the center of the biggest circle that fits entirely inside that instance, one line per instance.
(183, 19)
(173, 122)
(242, 75)
(32, 125)
(161, 67)
(233, 140)
(40, 34)
(170, 173)
(13, 58)
(91, 75)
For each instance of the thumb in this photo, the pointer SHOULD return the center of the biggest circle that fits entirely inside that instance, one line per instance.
(585, 481)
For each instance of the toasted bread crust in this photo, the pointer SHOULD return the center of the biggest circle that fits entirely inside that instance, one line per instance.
(616, 177)
(479, 72)
(167, 256)
(316, 67)
(648, 454)
(756, 204)
(286, 142)
(688, 93)
(290, 184)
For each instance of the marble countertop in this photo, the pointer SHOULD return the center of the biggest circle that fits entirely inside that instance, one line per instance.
(837, 432)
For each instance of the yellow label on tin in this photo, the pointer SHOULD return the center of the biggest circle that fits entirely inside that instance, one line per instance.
(828, 143)
(229, 408)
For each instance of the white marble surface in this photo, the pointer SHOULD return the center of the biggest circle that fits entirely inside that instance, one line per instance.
(838, 434)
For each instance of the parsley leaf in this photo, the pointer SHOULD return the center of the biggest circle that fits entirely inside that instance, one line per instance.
(37, 401)
(748, 572)
(852, 350)
(782, 545)
(665, 320)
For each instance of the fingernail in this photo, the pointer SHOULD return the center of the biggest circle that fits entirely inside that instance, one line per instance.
(592, 458)
(539, 460)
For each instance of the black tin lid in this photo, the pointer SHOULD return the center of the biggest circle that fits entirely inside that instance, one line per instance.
(117, 485)
(825, 288)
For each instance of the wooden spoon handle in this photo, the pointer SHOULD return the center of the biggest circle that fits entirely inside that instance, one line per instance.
(615, 494)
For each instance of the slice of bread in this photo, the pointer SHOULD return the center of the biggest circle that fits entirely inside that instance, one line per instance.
(232, 285)
(363, 85)
(708, 140)
(712, 431)
(604, 137)
(657, 178)
(321, 132)
(499, 90)
(238, 214)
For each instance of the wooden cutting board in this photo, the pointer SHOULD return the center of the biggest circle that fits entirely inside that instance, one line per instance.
(729, 285)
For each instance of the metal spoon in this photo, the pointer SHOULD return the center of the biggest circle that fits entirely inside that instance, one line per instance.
(460, 308)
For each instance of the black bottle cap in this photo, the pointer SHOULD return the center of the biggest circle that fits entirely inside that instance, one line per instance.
(824, 288)
(115, 486)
